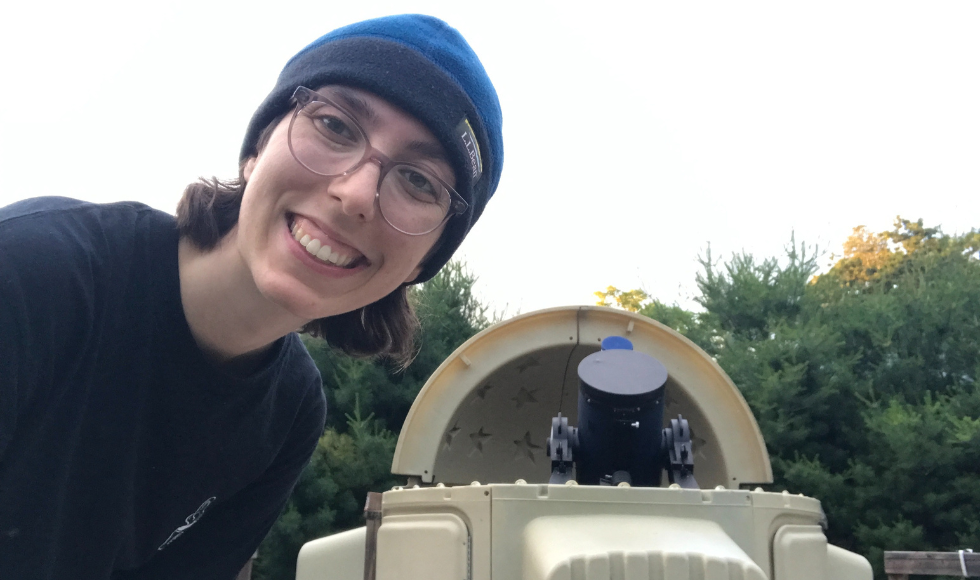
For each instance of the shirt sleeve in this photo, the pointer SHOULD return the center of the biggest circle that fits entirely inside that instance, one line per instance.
(229, 532)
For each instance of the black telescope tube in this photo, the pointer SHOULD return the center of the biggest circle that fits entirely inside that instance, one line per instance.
(620, 417)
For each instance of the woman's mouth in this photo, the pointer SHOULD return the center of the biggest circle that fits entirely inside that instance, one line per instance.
(309, 236)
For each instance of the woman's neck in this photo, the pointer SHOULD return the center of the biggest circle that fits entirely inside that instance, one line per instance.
(232, 322)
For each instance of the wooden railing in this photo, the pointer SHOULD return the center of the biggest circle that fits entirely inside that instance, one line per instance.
(965, 564)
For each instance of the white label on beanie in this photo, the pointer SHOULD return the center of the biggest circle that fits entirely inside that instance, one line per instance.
(468, 138)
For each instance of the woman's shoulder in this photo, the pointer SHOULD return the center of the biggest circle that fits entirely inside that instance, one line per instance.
(48, 237)
(53, 210)
(74, 224)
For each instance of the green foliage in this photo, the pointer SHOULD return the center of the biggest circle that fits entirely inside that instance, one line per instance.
(863, 380)
(683, 321)
(746, 296)
(355, 453)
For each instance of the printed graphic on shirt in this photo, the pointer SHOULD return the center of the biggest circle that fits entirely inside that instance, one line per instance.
(188, 522)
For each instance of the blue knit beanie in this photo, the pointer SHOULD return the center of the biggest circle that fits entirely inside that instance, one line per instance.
(425, 67)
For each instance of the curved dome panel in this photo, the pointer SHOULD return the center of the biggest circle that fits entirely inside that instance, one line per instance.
(485, 413)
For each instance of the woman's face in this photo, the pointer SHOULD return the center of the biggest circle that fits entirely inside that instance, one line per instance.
(318, 246)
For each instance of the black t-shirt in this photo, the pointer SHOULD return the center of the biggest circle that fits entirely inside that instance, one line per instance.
(124, 453)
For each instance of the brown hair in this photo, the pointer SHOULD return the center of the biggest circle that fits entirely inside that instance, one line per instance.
(209, 209)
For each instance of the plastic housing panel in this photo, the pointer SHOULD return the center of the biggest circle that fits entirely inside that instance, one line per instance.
(800, 553)
(423, 547)
(471, 504)
(336, 557)
(844, 564)
(632, 548)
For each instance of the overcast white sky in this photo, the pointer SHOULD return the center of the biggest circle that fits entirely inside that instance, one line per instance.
(635, 134)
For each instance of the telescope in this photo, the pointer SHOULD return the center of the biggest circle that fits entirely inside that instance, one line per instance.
(621, 409)
(582, 443)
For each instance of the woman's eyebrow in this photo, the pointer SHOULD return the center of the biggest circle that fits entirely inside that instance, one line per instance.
(356, 104)
(428, 149)
(364, 110)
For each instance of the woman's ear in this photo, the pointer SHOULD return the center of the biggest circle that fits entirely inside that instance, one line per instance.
(248, 167)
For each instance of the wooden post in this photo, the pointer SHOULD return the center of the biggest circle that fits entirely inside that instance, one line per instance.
(246, 572)
(898, 565)
(372, 520)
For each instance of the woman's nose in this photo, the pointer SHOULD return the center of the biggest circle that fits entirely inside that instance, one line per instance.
(357, 190)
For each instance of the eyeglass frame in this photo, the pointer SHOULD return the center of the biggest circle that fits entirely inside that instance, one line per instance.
(303, 96)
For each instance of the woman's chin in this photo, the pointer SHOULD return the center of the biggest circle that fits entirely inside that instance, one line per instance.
(306, 304)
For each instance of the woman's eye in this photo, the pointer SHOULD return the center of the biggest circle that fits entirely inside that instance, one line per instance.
(335, 128)
(421, 187)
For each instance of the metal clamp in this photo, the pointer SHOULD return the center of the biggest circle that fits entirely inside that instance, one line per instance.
(560, 446)
(680, 453)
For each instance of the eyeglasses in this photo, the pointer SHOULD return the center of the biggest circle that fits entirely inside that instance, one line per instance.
(325, 139)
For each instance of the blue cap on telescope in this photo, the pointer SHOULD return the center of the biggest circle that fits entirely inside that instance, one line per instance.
(616, 343)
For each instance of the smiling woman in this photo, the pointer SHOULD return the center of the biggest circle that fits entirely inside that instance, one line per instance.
(362, 223)
(163, 370)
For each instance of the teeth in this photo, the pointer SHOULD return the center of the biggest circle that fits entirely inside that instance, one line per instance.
(315, 247)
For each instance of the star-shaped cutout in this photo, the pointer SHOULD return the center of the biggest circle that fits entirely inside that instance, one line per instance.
(525, 448)
(698, 444)
(451, 434)
(527, 363)
(478, 440)
(481, 393)
(524, 396)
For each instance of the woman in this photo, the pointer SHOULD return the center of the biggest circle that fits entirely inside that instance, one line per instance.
(156, 404)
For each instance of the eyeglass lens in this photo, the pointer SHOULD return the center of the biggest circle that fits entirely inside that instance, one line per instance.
(328, 142)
